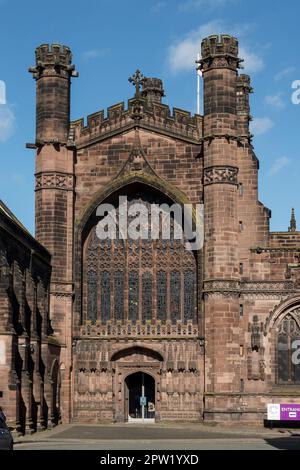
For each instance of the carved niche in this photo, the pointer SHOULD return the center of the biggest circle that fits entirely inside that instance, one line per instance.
(256, 366)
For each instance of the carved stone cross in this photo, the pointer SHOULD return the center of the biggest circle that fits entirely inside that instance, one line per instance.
(137, 80)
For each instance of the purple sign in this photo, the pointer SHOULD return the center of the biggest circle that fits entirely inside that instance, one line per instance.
(283, 412)
(289, 412)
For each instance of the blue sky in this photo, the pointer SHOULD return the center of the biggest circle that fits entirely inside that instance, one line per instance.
(111, 38)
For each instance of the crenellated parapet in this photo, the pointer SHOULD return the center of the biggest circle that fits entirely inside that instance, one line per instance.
(154, 117)
(53, 59)
(220, 52)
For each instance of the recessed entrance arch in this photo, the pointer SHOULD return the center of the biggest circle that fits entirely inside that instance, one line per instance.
(140, 397)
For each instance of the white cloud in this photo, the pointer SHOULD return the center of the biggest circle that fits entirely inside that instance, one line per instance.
(260, 126)
(183, 52)
(192, 5)
(95, 53)
(276, 101)
(252, 61)
(278, 165)
(7, 122)
(284, 73)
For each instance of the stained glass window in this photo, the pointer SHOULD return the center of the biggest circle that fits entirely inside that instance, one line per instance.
(288, 371)
(119, 295)
(105, 296)
(189, 295)
(92, 296)
(147, 296)
(175, 296)
(127, 279)
(133, 296)
(161, 300)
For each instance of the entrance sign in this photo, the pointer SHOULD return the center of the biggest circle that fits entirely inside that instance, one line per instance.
(283, 412)
(143, 401)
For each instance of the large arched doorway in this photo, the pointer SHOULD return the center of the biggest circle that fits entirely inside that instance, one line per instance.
(140, 397)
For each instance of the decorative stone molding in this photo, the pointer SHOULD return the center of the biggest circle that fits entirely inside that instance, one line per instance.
(228, 137)
(62, 291)
(259, 250)
(222, 285)
(137, 161)
(262, 287)
(138, 329)
(278, 296)
(54, 180)
(290, 304)
(267, 286)
(220, 174)
(222, 294)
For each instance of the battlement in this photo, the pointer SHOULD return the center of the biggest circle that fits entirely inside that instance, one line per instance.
(158, 117)
(216, 45)
(53, 58)
(53, 54)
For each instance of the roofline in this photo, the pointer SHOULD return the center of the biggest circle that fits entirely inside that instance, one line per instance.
(14, 222)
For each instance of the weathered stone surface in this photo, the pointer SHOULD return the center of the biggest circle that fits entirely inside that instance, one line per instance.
(214, 356)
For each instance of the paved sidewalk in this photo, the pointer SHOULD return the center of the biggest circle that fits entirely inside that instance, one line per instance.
(165, 436)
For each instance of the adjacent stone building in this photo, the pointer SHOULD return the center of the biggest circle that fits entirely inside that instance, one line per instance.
(29, 352)
(204, 334)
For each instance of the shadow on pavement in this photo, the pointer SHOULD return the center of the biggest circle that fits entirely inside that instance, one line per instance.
(284, 443)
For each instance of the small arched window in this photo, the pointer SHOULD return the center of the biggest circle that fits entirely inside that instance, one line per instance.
(288, 340)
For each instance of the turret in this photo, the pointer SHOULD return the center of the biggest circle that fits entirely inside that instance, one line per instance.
(54, 191)
(152, 90)
(243, 89)
(219, 65)
(53, 72)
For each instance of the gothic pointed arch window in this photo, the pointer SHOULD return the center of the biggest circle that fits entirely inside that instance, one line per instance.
(288, 343)
(139, 280)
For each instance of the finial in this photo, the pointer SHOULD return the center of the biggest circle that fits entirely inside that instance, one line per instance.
(137, 80)
(293, 225)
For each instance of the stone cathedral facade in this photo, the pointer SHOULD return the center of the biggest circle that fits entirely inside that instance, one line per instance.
(89, 326)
